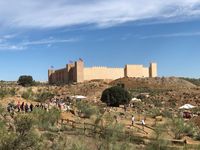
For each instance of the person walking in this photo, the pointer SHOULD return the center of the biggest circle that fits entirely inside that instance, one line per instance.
(31, 107)
(133, 120)
(22, 106)
(26, 108)
(143, 124)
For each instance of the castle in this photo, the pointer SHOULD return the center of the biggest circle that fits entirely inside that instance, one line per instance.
(76, 72)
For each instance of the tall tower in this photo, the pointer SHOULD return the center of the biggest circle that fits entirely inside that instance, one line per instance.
(70, 72)
(50, 76)
(79, 71)
(153, 70)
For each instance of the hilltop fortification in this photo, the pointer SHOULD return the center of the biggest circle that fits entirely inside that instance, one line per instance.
(76, 72)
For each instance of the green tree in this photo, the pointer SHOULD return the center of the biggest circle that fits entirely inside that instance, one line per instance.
(25, 80)
(115, 96)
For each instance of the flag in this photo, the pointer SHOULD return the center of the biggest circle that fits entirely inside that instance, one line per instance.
(80, 59)
(71, 62)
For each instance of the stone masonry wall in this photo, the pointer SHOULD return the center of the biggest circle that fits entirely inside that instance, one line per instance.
(103, 73)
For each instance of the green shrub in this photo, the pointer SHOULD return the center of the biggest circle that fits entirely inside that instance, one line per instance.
(23, 124)
(197, 136)
(43, 96)
(3, 93)
(166, 113)
(6, 92)
(44, 119)
(115, 96)
(12, 92)
(157, 103)
(192, 80)
(154, 112)
(28, 94)
(180, 128)
(158, 145)
(85, 108)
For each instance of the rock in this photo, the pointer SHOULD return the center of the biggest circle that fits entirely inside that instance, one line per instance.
(9, 119)
(158, 118)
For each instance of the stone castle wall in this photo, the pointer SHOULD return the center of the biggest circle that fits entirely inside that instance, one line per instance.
(103, 73)
(136, 71)
(76, 72)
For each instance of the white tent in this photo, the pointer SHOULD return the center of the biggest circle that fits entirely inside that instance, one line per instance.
(79, 97)
(187, 106)
(135, 100)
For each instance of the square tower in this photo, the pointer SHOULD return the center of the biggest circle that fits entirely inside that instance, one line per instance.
(153, 70)
(79, 71)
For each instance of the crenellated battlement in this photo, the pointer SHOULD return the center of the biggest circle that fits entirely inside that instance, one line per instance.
(76, 72)
(102, 67)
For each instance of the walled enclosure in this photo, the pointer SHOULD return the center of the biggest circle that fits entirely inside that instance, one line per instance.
(76, 72)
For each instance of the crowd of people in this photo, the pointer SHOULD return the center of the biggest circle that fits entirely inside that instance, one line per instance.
(29, 107)
(21, 107)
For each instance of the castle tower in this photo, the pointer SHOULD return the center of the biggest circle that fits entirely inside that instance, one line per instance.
(70, 72)
(79, 71)
(153, 70)
(50, 76)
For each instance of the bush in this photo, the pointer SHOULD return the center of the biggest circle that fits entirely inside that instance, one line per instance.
(45, 119)
(25, 80)
(154, 112)
(23, 124)
(197, 136)
(159, 144)
(157, 103)
(42, 97)
(167, 114)
(85, 108)
(115, 96)
(28, 94)
(3, 93)
(180, 128)
(6, 92)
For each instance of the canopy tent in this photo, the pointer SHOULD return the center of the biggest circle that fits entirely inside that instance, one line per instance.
(187, 106)
(79, 97)
(135, 100)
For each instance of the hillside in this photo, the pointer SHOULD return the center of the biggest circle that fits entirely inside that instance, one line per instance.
(167, 83)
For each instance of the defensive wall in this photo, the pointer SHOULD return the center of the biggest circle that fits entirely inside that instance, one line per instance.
(76, 72)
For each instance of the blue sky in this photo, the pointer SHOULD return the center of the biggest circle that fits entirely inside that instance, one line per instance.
(35, 35)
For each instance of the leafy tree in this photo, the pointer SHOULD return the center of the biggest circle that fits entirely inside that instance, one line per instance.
(115, 96)
(25, 80)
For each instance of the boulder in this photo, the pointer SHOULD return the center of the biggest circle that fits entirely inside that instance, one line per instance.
(158, 118)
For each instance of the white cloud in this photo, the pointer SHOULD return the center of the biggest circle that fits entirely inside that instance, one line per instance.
(7, 45)
(180, 34)
(11, 47)
(46, 13)
(48, 41)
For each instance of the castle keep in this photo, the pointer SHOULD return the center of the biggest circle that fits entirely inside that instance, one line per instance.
(76, 72)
